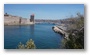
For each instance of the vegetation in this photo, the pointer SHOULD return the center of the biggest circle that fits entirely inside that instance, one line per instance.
(29, 45)
(76, 34)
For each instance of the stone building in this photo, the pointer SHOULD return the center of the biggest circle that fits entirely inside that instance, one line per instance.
(16, 20)
(32, 18)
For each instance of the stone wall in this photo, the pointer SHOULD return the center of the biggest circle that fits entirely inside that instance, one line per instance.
(16, 20)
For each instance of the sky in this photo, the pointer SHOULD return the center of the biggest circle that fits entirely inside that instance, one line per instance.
(44, 11)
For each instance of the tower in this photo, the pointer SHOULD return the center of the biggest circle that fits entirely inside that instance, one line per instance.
(32, 18)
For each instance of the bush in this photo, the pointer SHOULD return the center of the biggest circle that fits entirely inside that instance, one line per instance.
(76, 35)
(29, 45)
(75, 42)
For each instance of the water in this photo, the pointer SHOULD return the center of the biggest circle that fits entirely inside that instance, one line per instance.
(42, 34)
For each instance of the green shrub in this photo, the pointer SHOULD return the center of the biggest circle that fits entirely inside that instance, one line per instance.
(29, 45)
(76, 41)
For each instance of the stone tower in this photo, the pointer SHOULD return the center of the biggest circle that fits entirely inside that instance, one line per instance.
(32, 18)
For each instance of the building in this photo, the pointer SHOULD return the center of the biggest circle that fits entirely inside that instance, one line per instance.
(6, 14)
(32, 18)
(16, 20)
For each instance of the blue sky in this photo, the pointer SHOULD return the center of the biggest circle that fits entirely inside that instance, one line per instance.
(44, 11)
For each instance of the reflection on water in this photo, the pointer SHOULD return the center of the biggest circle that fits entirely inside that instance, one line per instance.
(32, 29)
(42, 34)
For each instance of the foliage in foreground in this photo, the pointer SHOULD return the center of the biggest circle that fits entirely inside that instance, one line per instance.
(75, 41)
(76, 35)
(29, 45)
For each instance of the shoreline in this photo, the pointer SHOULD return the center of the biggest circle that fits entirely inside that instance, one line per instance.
(60, 29)
(20, 25)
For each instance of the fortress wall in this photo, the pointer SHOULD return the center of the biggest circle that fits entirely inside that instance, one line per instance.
(15, 20)
(11, 20)
(28, 22)
(23, 21)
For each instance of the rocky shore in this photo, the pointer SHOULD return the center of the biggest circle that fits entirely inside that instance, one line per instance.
(61, 30)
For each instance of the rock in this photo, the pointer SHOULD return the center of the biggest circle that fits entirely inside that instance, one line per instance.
(56, 29)
(60, 31)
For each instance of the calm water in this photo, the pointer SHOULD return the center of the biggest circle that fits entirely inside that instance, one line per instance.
(42, 34)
